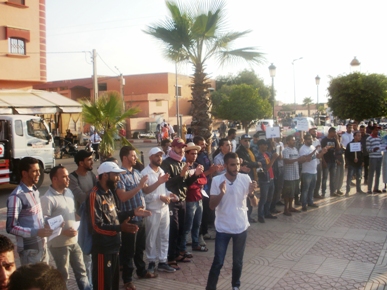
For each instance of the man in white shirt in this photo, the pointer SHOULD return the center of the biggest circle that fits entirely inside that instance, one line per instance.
(228, 198)
(317, 144)
(347, 136)
(157, 199)
(309, 171)
(95, 140)
(231, 135)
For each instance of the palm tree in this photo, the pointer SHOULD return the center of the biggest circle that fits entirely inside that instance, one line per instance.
(194, 34)
(108, 116)
(307, 102)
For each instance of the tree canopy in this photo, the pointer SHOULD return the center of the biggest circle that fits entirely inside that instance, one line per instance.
(244, 104)
(358, 96)
(195, 32)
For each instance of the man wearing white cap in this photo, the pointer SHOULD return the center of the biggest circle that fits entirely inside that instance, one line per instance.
(157, 199)
(107, 225)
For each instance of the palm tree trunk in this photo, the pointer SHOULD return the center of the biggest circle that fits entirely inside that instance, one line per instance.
(201, 105)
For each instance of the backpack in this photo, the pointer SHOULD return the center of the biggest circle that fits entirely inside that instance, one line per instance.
(85, 235)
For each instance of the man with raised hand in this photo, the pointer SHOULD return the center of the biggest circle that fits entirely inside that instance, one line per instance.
(228, 197)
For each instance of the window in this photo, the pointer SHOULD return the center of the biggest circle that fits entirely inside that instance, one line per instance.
(178, 91)
(19, 127)
(17, 46)
(102, 87)
(37, 129)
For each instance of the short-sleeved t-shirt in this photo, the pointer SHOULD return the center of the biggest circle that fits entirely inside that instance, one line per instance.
(231, 213)
(329, 157)
(311, 166)
(291, 171)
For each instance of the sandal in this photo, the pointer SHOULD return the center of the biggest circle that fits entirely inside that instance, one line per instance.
(200, 249)
(129, 286)
(174, 265)
(186, 254)
(183, 259)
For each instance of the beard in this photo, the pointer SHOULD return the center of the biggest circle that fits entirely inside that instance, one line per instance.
(111, 185)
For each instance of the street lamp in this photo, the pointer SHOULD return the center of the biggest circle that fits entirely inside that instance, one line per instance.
(272, 71)
(317, 78)
(355, 63)
(294, 82)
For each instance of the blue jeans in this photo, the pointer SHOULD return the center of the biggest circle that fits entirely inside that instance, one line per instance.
(238, 249)
(331, 168)
(307, 190)
(353, 171)
(265, 197)
(71, 255)
(193, 219)
(374, 169)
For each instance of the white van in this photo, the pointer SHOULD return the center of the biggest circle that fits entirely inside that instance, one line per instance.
(309, 120)
(21, 136)
(266, 122)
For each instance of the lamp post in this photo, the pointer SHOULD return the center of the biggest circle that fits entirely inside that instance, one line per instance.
(355, 63)
(272, 70)
(317, 78)
(177, 105)
(294, 82)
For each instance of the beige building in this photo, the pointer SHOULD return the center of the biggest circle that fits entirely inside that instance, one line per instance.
(22, 43)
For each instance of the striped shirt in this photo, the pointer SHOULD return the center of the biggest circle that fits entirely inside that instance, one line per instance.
(128, 181)
(371, 143)
(25, 218)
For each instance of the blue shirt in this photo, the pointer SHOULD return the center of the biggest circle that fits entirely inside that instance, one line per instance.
(128, 181)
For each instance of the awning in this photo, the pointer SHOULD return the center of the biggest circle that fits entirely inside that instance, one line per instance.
(71, 109)
(36, 102)
(32, 111)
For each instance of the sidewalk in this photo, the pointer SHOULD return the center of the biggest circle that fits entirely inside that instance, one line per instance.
(340, 245)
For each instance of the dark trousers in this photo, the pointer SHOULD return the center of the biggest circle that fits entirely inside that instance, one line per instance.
(366, 160)
(96, 150)
(132, 253)
(106, 271)
(207, 216)
(278, 186)
(176, 228)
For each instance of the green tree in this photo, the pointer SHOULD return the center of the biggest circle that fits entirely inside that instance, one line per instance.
(108, 116)
(244, 104)
(358, 96)
(194, 33)
(307, 102)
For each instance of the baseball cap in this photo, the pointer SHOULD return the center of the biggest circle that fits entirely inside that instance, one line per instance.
(245, 136)
(107, 167)
(262, 142)
(154, 151)
(81, 155)
(178, 143)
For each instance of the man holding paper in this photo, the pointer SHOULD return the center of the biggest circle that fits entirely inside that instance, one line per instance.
(59, 210)
(354, 157)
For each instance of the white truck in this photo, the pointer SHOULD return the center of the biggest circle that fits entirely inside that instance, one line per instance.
(21, 136)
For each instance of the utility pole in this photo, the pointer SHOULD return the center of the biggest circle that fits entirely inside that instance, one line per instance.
(95, 76)
(122, 84)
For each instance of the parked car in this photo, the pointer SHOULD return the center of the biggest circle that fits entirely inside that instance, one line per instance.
(266, 122)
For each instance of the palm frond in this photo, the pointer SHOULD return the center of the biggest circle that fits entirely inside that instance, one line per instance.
(249, 54)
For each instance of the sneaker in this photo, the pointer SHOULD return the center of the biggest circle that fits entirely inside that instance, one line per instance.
(377, 191)
(304, 208)
(369, 192)
(261, 220)
(361, 192)
(347, 194)
(164, 267)
(201, 241)
(151, 267)
(339, 192)
(235, 288)
(313, 205)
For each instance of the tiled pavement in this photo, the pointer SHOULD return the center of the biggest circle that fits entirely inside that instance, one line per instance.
(340, 245)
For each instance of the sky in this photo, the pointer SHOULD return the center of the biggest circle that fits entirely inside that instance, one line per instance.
(327, 35)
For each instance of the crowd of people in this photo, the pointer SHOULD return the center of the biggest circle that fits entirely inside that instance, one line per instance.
(127, 211)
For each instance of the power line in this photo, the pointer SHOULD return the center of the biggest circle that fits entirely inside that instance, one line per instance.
(106, 63)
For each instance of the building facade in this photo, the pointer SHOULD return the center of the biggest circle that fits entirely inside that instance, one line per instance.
(22, 43)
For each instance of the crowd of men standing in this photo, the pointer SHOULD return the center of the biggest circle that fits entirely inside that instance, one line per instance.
(125, 212)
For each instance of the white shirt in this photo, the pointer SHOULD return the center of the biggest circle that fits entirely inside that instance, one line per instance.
(346, 138)
(233, 144)
(152, 199)
(311, 166)
(95, 138)
(171, 131)
(231, 213)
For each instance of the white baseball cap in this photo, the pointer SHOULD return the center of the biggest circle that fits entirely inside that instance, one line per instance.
(107, 167)
(154, 151)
